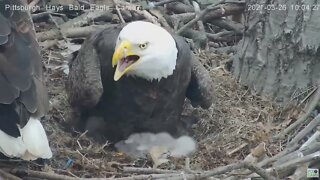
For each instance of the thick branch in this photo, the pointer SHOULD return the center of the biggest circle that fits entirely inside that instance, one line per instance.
(71, 32)
(295, 162)
(303, 118)
(225, 10)
(231, 167)
(41, 175)
(146, 170)
(178, 8)
(6, 175)
(200, 16)
(303, 133)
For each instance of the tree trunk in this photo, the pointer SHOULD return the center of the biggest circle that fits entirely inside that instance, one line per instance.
(278, 55)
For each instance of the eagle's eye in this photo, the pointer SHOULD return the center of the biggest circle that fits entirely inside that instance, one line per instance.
(143, 46)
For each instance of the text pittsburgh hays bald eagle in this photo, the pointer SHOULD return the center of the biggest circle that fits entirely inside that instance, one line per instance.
(145, 92)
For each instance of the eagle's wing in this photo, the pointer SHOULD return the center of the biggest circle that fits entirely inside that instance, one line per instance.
(84, 80)
(21, 74)
(84, 85)
(200, 90)
(23, 95)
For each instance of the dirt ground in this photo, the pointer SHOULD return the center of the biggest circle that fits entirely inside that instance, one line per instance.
(237, 122)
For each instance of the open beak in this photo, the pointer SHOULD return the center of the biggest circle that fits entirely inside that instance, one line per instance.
(124, 58)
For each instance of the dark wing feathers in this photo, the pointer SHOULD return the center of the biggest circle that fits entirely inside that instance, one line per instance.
(14, 65)
(27, 98)
(84, 84)
(84, 81)
(200, 91)
(4, 29)
(7, 92)
(42, 97)
(21, 74)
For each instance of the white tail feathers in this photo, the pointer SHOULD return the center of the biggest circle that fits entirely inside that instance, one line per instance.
(10, 146)
(32, 144)
(35, 139)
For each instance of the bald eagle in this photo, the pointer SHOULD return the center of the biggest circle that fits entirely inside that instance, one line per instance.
(23, 95)
(134, 78)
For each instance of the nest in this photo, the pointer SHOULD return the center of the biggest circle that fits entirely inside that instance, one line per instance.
(241, 130)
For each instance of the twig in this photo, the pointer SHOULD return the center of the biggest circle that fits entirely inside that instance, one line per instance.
(196, 175)
(289, 165)
(312, 125)
(86, 159)
(203, 37)
(72, 32)
(147, 170)
(38, 16)
(120, 15)
(303, 118)
(180, 176)
(83, 2)
(184, 17)
(308, 96)
(161, 19)
(237, 149)
(263, 173)
(306, 150)
(217, 36)
(253, 157)
(155, 4)
(229, 25)
(8, 176)
(300, 172)
(201, 15)
(231, 167)
(296, 162)
(224, 169)
(179, 7)
(312, 139)
(298, 154)
(33, 3)
(44, 15)
(69, 26)
(197, 11)
(49, 44)
(41, 175)
(280, 154)
(58, 27)
(132, 7)
(81, 135)
(272, 159)
(236, 2)
(84, 19)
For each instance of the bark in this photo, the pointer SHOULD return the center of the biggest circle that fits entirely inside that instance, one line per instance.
(278, 54)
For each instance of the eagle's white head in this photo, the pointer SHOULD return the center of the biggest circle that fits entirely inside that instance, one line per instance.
(144, 50)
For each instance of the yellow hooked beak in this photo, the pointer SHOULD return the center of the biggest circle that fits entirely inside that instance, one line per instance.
(124, 58)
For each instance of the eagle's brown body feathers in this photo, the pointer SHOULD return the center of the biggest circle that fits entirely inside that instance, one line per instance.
(131, 104)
